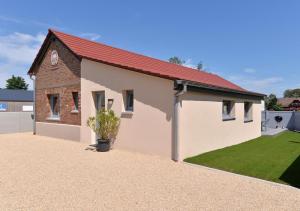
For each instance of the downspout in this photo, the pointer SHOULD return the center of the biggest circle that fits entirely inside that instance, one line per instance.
(32, 77)
(176, 143)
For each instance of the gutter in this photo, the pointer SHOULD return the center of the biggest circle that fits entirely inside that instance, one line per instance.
(32, 77)
(176, 143)
(224, 90)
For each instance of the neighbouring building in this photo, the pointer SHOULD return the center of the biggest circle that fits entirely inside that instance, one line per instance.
(165, 109)
(290, 103)
(16, 100)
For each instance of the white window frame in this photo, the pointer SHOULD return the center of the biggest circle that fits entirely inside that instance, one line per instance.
(228, 113)
(75, 95)
(54, 116)
(128, 96)
(248, 113)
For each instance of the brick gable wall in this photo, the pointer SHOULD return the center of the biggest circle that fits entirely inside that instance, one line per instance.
(62, 79)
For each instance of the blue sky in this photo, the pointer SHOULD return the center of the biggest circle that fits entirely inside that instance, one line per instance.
(254, 43)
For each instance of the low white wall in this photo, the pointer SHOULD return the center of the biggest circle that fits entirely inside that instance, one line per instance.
(202, 129)
(15, 122)
(63, 131)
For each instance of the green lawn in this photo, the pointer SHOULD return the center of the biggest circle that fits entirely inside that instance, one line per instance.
(271, 158)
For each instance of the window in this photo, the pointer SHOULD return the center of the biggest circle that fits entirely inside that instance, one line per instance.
(129, 100)
(54, 106)
(99, 98)
(247, 111)
(228, 110)
(54, 57)
(75, 101)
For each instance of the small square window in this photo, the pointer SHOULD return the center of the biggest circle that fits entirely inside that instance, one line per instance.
(247, 111)
(129, 100)
(75, 101)
(54, 105)
(228, 110)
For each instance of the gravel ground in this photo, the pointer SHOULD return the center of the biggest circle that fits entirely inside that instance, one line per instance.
(40, 173)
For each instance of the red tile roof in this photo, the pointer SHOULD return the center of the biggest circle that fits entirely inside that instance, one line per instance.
(114, 56)
(285, 102)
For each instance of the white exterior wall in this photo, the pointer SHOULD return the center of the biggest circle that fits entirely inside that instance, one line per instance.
(149, 128)
(62, 131)
(202, 129)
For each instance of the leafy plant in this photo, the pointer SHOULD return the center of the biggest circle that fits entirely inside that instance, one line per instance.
(16, 82)
(277, 107)
(105, 124)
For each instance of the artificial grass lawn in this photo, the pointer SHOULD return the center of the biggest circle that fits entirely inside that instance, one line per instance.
(274, 158)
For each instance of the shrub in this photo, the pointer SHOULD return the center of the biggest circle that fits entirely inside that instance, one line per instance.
(105, 124)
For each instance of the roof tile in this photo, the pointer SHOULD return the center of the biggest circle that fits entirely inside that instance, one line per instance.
(115, 56)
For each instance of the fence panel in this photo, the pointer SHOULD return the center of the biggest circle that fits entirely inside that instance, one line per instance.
(16, 122)
(290, 119)
(297, 121)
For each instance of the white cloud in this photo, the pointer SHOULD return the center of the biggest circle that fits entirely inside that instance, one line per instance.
(265, 83)
(91, 36)
(9, 19)
(19, 48)
(249, 70)
(17, 52)
(233, 77)
(27, 22)
(189, 63)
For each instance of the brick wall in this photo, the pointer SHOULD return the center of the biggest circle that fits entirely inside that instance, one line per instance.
(61, 79)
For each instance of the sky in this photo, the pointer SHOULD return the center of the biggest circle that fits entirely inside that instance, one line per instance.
(253, 43)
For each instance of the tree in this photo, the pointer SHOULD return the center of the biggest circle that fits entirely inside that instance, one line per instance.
(16, 83)
(292, 93)
(277, 107)
(200, 66)
(176, 60)
(271, 103)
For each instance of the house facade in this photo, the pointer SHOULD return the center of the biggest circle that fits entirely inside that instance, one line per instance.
(16, 100)
(165, 109)
(289, 103)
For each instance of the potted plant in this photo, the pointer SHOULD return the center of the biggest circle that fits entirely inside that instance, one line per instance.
(106, 125)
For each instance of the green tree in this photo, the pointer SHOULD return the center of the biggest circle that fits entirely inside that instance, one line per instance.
(277, 107)
(200, 66)
(271, 103)
(292, 93)
(16, 82)
(176, 60)
(179, 61)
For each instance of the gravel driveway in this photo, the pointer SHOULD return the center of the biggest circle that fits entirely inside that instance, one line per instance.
(39, 173)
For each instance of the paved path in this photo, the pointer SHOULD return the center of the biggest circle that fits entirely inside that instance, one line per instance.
(39, 173)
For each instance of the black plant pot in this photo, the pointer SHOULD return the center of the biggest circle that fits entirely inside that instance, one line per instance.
(103, 145)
